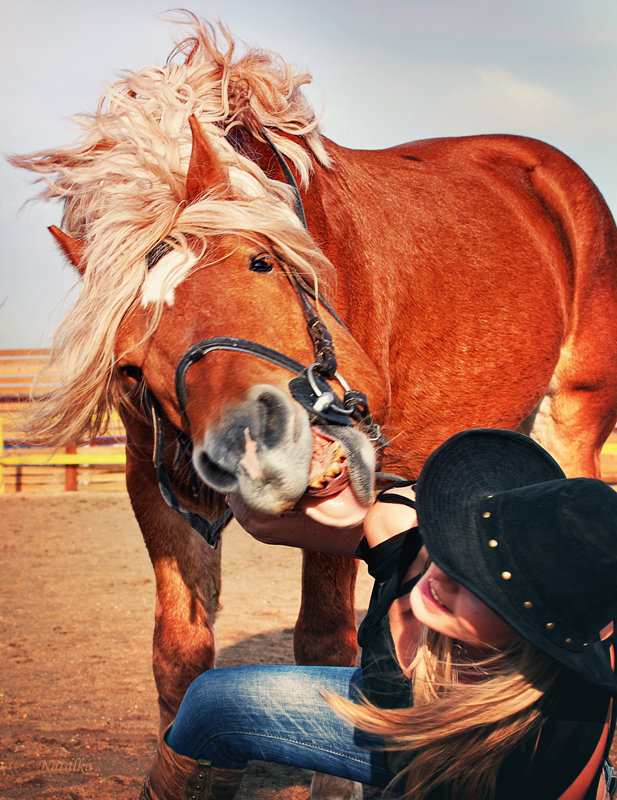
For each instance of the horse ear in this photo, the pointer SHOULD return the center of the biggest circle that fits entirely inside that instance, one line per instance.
(73, 249)
(205, 170)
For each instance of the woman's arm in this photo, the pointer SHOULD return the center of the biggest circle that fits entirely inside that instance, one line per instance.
(295, 529)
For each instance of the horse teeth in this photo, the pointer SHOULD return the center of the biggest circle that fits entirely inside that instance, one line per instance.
(334, 469)
(332, 472)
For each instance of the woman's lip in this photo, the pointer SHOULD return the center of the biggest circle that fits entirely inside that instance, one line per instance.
(431, 595)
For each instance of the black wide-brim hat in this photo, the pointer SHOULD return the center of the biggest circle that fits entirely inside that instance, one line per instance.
(497, 514)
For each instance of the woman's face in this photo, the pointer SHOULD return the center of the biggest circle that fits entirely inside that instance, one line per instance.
(442, 604)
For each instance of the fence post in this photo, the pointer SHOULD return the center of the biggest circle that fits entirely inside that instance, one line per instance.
(2, 487)
(70, 471)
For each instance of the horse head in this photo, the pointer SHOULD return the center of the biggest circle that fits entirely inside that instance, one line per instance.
(232, 340)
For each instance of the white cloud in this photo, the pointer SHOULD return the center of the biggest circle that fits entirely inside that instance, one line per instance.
(496, 94)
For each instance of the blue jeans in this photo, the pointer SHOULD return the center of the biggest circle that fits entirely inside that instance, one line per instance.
(277, 713)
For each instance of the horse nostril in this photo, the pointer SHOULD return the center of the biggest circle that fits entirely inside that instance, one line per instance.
(271, 414)
(214, 475)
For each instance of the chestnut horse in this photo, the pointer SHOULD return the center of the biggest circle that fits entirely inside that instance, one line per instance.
(438, 285)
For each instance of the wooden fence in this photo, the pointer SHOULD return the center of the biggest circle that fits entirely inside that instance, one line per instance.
(98, 466)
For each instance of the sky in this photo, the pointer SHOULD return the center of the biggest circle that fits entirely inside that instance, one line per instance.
(384, 72)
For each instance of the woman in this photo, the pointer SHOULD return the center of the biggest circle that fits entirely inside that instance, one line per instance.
(487, 662)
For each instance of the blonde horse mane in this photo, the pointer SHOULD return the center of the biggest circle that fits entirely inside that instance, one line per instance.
(123, 186)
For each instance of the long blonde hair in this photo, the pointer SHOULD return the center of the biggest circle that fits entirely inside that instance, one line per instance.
(122, 185)
(464, 719)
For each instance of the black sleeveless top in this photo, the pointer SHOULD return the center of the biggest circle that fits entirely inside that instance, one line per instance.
(537, 768)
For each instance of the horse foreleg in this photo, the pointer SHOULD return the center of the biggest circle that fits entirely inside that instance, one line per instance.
(187, 589)
(325, 633)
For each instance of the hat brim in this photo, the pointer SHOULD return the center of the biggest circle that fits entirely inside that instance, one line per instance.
(476, 464)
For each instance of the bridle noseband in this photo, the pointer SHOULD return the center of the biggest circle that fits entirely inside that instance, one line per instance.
(310, 387)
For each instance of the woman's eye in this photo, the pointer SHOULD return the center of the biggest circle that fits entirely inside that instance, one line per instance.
(131, 372)
(262, 263)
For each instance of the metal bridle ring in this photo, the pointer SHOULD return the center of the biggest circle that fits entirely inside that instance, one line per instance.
(340, 409)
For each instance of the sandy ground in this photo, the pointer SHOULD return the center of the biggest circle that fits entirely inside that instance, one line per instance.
(78, 712)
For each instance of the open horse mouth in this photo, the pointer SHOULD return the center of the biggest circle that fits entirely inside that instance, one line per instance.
(266, 451)
(330, 498)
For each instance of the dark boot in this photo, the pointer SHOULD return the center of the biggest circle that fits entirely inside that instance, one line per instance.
(176, 777)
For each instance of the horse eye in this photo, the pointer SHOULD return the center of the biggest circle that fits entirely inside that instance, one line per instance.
(262, 263)
(131, 371)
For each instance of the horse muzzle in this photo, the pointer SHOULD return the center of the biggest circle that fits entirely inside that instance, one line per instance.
(267, 451)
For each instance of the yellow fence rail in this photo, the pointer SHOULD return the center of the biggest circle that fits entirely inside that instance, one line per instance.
(61, 459)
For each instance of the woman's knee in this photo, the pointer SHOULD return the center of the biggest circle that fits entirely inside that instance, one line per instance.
(220, 706)
(198, 712)
(213, 697)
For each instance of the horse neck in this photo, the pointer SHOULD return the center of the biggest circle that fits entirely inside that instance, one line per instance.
(340, 206)
(343, 220)
(342, 217)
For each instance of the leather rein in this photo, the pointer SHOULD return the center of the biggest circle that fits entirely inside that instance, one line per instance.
(310, 386)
